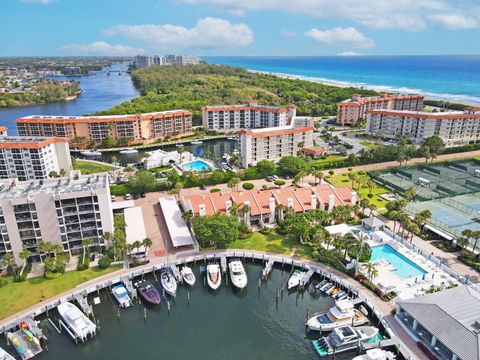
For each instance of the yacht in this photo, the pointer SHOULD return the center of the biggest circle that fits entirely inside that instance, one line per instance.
(5, 356)
(237, 274)
(295, 278)
(214, 276)
(90, 153)
(128, 151)
(343, 313)
(168, 281)
(376, 354)
(188, 275)
(121, 295)
(148, 292)
(344, 338)
(80, 325)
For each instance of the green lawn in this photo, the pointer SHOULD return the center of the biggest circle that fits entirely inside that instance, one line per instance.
(272, 242)
(88, 167)
(328, 159)
(369, 144)
(363, 192)
(16, 297)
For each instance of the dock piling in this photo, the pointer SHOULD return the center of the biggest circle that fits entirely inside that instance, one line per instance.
(145, 313)
(188, 297)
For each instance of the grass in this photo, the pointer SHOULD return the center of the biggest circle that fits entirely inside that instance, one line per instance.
(369, 144)
(19, 296)
(89, 167)
(328, 159)
(271, 242)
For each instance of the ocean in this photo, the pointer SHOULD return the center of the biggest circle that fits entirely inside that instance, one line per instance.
(450, 78)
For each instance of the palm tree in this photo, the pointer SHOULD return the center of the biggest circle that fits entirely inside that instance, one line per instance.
(187, 216)
(44, 248)
(463, 243)
(371, 270)
(318, 175)
(246, 212)
(180, 151)
(410, 194)
(422, 217)
(364, 204)
(107, 238)
(348, 241)
(372, 208)
(86, 243)
(25, 254)
(137, 244)
(9, 261)
(176, 191)
(359, 246)
(147, 243)
(476, 237)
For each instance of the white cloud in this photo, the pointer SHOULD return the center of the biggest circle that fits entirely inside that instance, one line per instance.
(102, 48)
(43, 2)
(237, 12)
(409, 15)
(348, 53)
(455, 21)
(337, 36)
(288, 33)
(209, 33)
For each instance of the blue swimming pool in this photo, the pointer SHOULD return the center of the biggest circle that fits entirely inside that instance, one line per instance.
(197, 165)
(405, 268)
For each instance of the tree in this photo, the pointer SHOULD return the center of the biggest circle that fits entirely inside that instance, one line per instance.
(53, 174)
(107, 238)
(318, 175)
(292, 165)
(86, 243)
(142, 181)
(108, 142)
(361, 250)
(364, 204)
(341, 213)
(265, 167)
(371, 270)
(424, 151)
(216, 229)
(353, 177)
(422, 217)
(411, 193)
(435, 145)
(180, 151)
(233, 183)
(25, 254)
(147, 243)
(187, 216)
(63, 172)
(176, 191)
(9, 261)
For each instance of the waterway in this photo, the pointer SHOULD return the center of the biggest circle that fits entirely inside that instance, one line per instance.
(227, 324)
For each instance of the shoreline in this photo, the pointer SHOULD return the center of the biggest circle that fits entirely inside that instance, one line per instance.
(452, 98)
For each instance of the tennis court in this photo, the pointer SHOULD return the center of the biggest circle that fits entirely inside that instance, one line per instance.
(455, 219)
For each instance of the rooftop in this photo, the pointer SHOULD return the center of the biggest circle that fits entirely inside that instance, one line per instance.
(242, 106)
(28, 142)
(103, 117)
(179, 232)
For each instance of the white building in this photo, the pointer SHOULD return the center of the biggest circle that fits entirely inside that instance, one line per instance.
(64, 211)
(187, 60)
(245, 116)
(453, 127)
(275, 142)
(143, 61)
(29, 158)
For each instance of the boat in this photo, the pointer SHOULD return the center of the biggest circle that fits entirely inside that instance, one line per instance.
(128, 151)
(327, 286)
(80, 325)
(321, 284)
(168, 281)
(334, 292)
(232, 138)
(90, 153)
(5, 356)
(331, 290)
(24, 353)
(238, 276)
(29, 336)
(214, 276)
(343, 313)
(121, 295)
(148, 292)
(196, 142)
(188, 275)
(376, 354)
(295, 278)
(345, 338)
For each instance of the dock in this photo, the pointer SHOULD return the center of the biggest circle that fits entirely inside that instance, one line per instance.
(268, 268)
(129, 286)
(306, 279)
(34, 328)
(81, 300)
(25, 347)
(380, 344)
(223, 264)
(176, 273)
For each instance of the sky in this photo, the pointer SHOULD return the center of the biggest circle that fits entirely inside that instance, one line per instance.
(239, 27)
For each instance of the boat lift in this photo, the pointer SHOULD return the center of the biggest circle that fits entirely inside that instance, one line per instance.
(82, 302)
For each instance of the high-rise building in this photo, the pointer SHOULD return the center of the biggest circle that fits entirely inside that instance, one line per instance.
(170, 59)
(187, 60)
(142, 61)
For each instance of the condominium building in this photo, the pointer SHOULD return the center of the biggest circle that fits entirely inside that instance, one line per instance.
(64, 211)
(29, 158)
(273, 143)
(149, 60)
(267, 207)
(246, 116)
(187, 60)
(350, 111)
(453, 127)
(134, 128)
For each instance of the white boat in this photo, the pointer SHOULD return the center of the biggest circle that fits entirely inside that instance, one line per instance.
(376, 354)
(128, 151)
(188, 275)
(295, 278)
(80, 325)
(214, 276)
(344, 338)
(168, 281)
(5, 356)
(232, 138)
(327, 286)
(197, 142)
(120, 294)
(90, 153)
(321, 284)
(342, 314)
(238, 276)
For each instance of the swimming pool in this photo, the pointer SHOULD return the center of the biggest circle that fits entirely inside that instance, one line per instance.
(405, 268)
(197, 165)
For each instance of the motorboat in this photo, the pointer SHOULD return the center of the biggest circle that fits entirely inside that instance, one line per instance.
(332, 290)
(376, 354)
(295, 278)
(343, 313)
(196, 142)
(188, 275)
(326, 286)
(90, 153)
(29, 336)
(80, 325)
(128, 151)
(238, 276)
(148, 292)
(120, 294)
(168, 281)
(321, 284)
(345, 338)
(24, 353)
(214, 276)
(5, 356)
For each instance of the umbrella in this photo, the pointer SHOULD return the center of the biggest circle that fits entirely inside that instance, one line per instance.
(423, 277)
(416, 279)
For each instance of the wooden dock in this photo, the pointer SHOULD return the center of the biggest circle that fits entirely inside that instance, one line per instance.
(223, 264)
(268, 268)
(380, 344)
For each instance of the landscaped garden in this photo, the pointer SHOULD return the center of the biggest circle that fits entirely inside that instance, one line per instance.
(89, 167)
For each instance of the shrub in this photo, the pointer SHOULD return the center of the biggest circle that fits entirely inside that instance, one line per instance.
(248, 186)
(104, 262)
(3, 283)
(22, 277)
(49, 275)
(85, 265)
(214, 190)
(279, 182)
(265, 231)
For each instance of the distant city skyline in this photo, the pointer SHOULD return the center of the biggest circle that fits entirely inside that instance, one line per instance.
(239, 27)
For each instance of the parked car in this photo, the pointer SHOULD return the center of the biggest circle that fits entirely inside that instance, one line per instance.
(203, 187)
(113, 198)
(143, 195)
(128, 197)
(270, 178)
(136, 196)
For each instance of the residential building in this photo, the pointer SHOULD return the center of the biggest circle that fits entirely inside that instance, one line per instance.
(64, 211)
(453, 127)
(170, 59)
(143, 61)
(187, 60)
(269, 206)
(273, 143)
(139, 127)
(149, 60)
(445, 323)
(350, 111)
(30, 158)
(245, 116)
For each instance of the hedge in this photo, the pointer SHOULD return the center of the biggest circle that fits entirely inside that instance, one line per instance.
(104, 262)
(279, 182)
(248, 186)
